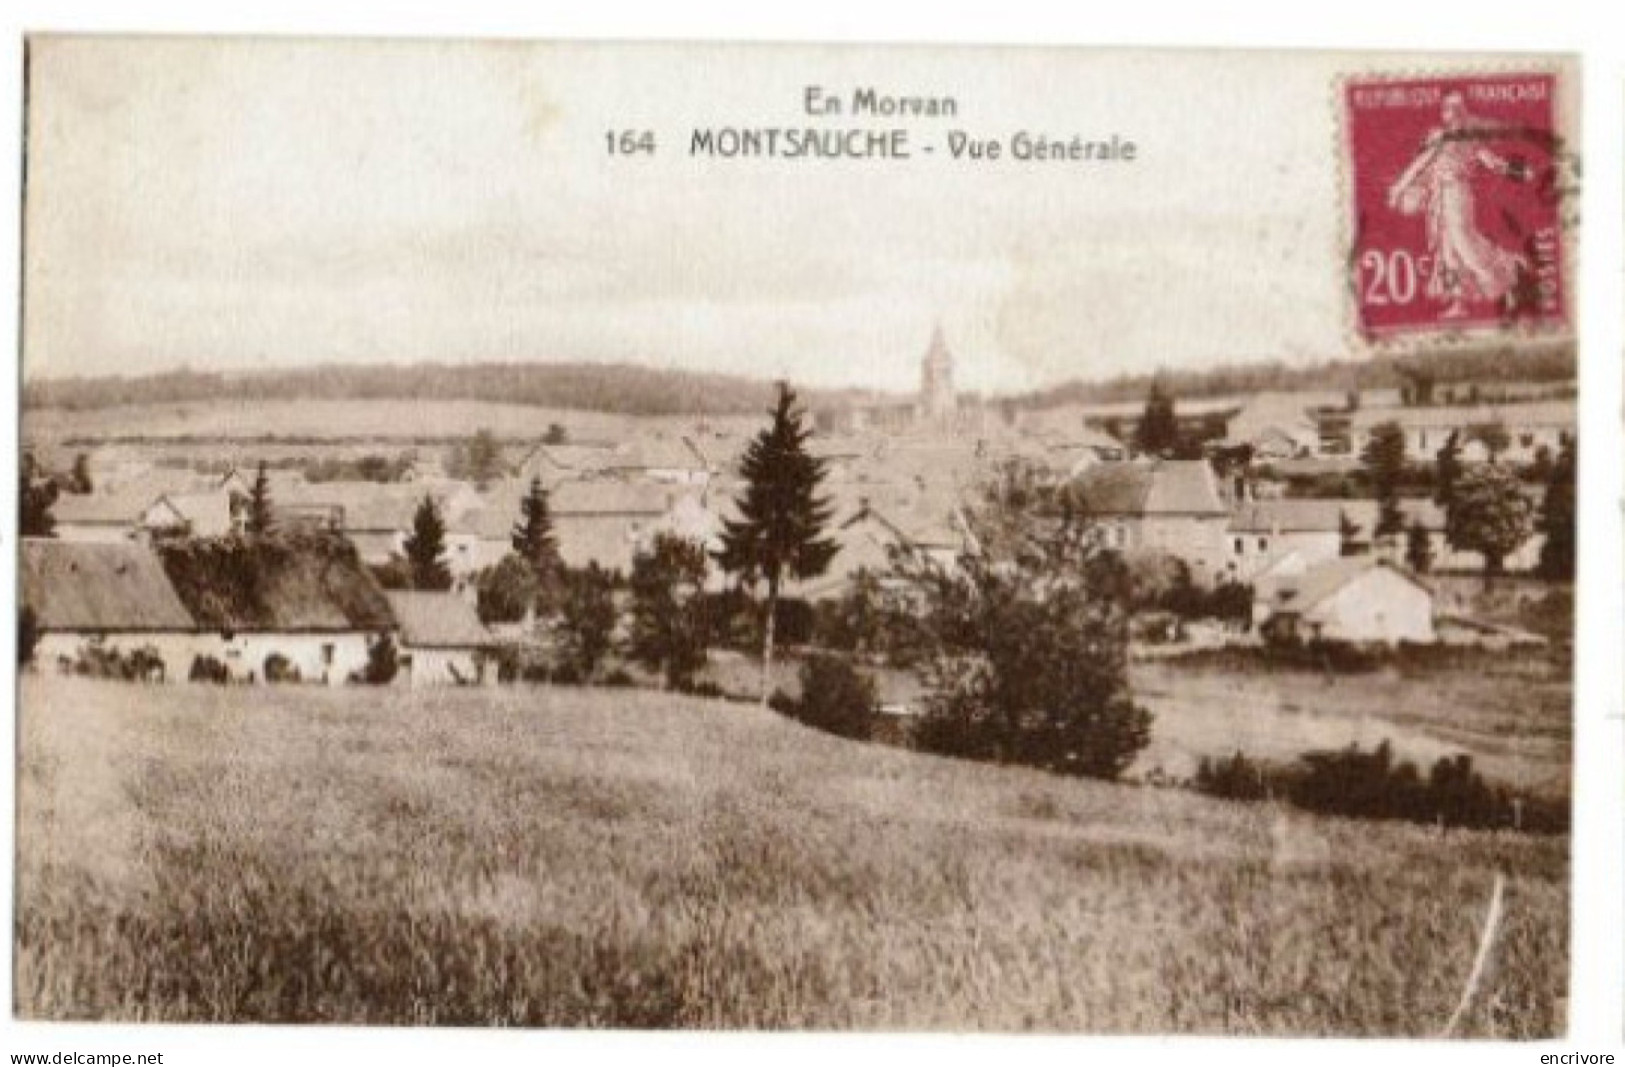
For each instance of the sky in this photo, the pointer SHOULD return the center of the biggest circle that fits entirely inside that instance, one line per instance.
(238, 204)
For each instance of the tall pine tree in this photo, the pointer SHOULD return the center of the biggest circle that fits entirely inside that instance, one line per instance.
(1446, 469)
(533, 538)
(1557, 516)
(259, 503)
(1158, 431)
(1384, 460)
(425, 547)
(38, 495)
(779, 533)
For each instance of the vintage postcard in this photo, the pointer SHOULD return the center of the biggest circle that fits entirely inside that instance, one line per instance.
(785, 537)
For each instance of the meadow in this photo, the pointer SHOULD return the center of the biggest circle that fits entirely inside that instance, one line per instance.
(402, 421)
(1511, 711)
(558, 857)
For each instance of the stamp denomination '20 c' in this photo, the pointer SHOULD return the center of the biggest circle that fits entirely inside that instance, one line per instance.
(1455, 187)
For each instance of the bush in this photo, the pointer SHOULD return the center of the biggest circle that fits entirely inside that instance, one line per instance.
(587, 619)
(383, 662)
(209, 669)
(1235, 778)
(1353, 783)
(1336, 657)
(1025, 656)
(142, 664)
(835, 697)
(795, 621)
(506, 591)
(618, 678)
(280, 669)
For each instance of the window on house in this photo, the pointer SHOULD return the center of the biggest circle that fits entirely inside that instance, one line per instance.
(327, 655)
(1263, 544)
(1241, 545)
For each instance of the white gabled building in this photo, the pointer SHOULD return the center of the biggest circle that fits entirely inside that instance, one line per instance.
(1359, 600)
(442, 641)
(113, 597)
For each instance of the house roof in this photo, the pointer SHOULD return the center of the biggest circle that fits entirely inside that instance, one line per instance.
(1561, 413)
(437, 620)
(1154, 487)
(495, 520)
(1293, 516)
(99, 587)
(1303, 592)
(124, 503)
(208, 514)
(583, 458)
(607, 540)
(298, 580)
(659, 453)
(1325, 515)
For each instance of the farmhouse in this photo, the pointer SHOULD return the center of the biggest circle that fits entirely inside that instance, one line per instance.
(601, 522)
(167, 502)
(109, 597)
(1530, 427)
(1275, 426)
(208, 514)
(562, 463)
(666, 460)
(1172, 506)
(1358, 600)
(300, 607)
(442, 640)
(1263, 531)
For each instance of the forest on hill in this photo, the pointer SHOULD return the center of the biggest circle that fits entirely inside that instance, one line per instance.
(1545, 362)
(628, 389)
(619, 388)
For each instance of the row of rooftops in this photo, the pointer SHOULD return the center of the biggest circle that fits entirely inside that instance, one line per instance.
(80, 587)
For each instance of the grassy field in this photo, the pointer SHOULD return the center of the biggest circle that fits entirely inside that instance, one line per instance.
(381, 420)
(1511, 711)
(554, 857)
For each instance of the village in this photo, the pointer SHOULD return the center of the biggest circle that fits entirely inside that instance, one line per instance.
(1259, 498)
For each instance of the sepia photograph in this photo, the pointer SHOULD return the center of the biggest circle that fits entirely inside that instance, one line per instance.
(784, 537)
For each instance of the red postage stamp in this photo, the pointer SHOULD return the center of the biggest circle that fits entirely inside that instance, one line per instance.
(1456, 187)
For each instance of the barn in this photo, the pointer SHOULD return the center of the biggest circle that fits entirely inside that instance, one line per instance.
(1357, 599)
(442, 641)
(300, 606)
(110, 597)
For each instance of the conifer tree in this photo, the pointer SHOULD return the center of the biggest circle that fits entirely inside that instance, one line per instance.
(1158, 432)
(1384, 460)
(1557, 515)
(38, 495)
(1418, 548)
(1446, 469)
(779, 533)
(426, 546)
(533, 539)
(259, 503)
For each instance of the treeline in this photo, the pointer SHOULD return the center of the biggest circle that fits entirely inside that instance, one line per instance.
(1550, 362)
(622, 389)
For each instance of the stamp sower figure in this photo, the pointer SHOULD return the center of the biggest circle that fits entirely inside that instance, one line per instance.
(1467, 264)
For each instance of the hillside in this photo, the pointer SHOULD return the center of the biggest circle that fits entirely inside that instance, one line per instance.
(552, 857)
(1553, 362)
(650, 390)
(618, 389)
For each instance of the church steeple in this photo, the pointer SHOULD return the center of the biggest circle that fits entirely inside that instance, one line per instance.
(937, 399)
